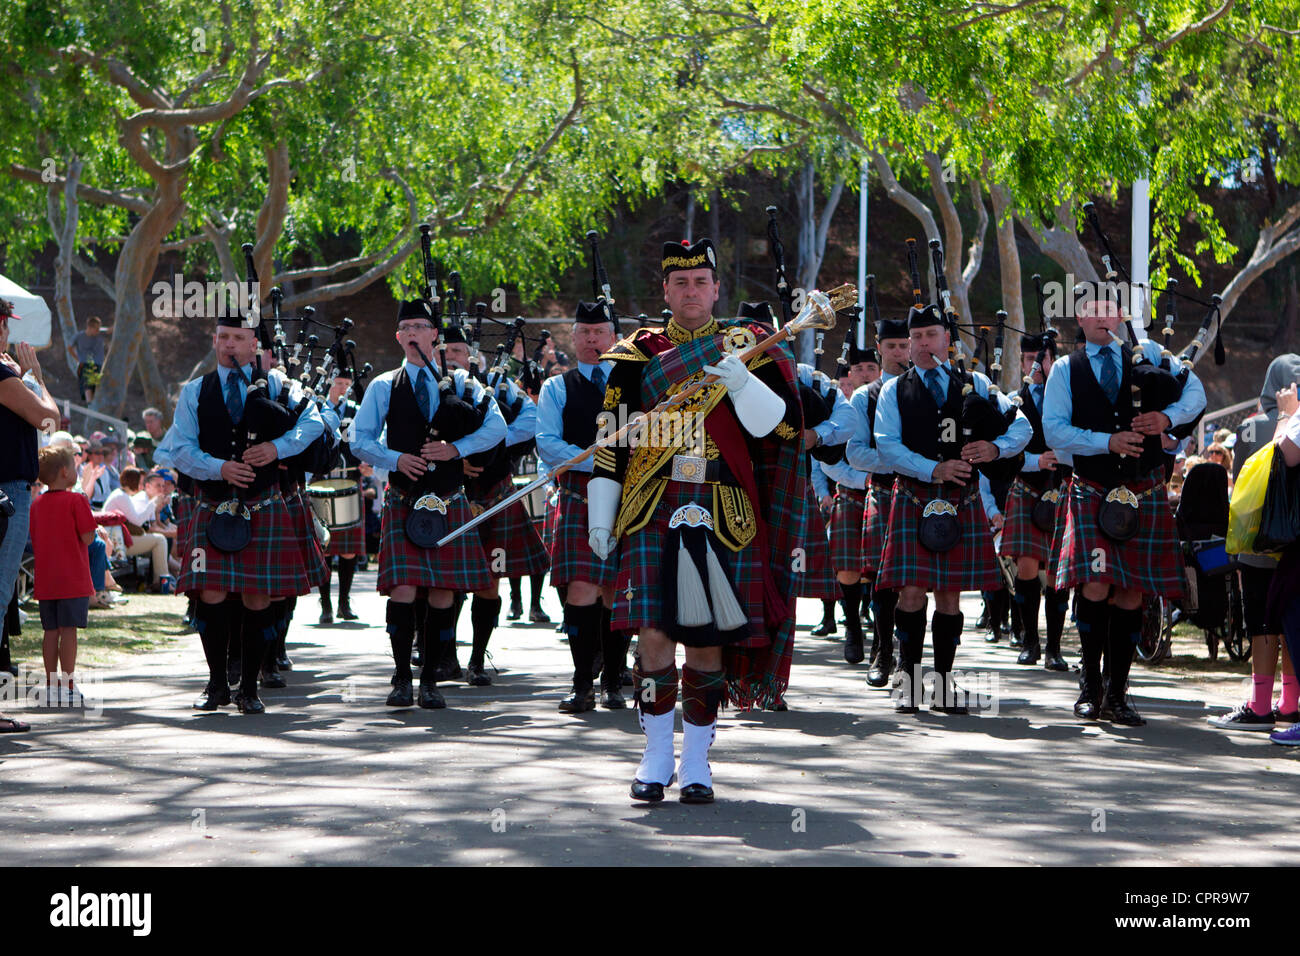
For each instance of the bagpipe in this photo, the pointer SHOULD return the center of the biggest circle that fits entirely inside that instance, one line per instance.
(783, 290)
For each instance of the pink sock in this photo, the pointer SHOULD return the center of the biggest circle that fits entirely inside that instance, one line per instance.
(1261, 701)
(1290, 694)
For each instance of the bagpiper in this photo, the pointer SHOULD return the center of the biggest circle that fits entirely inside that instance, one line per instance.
(704, 509)
(419, 423)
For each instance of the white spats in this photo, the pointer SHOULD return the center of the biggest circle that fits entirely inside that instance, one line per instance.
(657, 762)
(696, 741)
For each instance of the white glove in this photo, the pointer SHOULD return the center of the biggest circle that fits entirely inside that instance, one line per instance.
(603, 495)
(731, 372)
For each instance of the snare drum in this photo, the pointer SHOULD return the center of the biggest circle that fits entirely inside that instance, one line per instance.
(336, 502)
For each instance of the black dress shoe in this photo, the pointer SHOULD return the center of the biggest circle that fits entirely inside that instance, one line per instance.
(1017, 639)
(249, 705)
(537, 616)
(611, 698)
(516, 611)
(878, 676)
(430, 697)
(282, 661)
(326, 616)
(649, 792)
(627, 680)
(983, 620)
(417, 659)
(1120, 712)
(994, 635)
(1029, 655)
(234, 667)
(213, 697)
(345, 611)
(271, 679)
(824, 629)
(476, 675)
(1054, 662)
(696, 793)
(579, 701)
(854, 647)
(401, 695)
(1087, 707)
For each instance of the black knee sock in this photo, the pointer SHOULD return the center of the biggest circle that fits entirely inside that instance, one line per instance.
(582, 624)
(1121, 645)
(421, 617)
(517, 591)
(1094, 632)
(213, 624)
(1056, 604)
(828, 613)
(258, 630)
(1028, 593)
(868, 596)
(909, 626)
(613, 646)
(325, 603)
(446, 635)
(561, 589)
(945, 634)
(535, 589)
(852, 605)
(347, 568)
(401, 633)
(883, 605)
(483, 615)
(440, 639)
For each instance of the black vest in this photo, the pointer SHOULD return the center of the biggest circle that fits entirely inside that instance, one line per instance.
(1092, 410)
(883, 480)
(1037, 443)
(407, 433)
(923, 423)
(583, 402)
(223, 439)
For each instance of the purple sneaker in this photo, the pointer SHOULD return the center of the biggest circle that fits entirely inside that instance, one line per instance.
(1288, 738)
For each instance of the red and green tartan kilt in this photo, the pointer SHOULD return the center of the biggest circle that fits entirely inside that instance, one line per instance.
(271, 563)
(641, 558)
(546, 526)
(313, 558)
(1054, 551)
(571, 556)
(183, 511)
(513, 533)
(347, 540)
(971, 565)
(1020, 536)
(459, 565)
(847, 516)
(874, 526)
(1151, 561)
(817, 580)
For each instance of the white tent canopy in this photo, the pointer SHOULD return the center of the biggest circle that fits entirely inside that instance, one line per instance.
(33, 325)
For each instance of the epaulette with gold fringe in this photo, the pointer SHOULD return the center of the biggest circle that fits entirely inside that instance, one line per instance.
(626, 349)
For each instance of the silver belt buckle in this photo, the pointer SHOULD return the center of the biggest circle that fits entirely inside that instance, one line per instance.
(690, 468)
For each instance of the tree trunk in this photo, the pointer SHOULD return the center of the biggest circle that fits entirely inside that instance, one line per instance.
(813, 232)
(65, 234)
(1012, 298)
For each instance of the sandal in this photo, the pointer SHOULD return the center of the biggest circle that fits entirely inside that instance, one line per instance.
(9, 725)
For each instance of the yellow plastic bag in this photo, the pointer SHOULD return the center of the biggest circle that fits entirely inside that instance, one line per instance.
(1248, 500)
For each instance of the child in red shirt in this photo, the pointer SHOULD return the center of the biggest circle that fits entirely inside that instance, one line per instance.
(61, 528)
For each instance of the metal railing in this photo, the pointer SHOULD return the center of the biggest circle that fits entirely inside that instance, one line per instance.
(1229, 417)
(87, 415)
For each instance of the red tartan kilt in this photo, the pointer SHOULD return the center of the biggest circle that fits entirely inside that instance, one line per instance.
(511, 534)
(1054, 552)
(641, 558)
(1020, 536)
(846, 529)
(347, 540)
(1151, 561)
(818, 578)
(313, 558)
(571, 556)
(969, 566)
(271, 564)
(459, 565)
(874, 526)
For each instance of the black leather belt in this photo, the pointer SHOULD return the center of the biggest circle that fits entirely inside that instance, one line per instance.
(691, 469)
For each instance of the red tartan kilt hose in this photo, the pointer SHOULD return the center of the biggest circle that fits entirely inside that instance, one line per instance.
(641, 559)
(847, 517)
(571, 556)
(817, 580)
(1151, 561)
(874, 526)
(459, 565)
(1020, 536)
(313, 558)
(271, 563)
(970, 565)
(509, 539)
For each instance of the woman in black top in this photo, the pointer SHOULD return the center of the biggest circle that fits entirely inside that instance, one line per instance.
(22, 412)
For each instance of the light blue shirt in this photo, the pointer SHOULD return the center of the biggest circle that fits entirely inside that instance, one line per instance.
(861, 452)
(820, 487)
(183, 445)
(897, 457)
(164, 455)
(524, 426)
(1062, 436)
(986, 497)
(552, 449)
(842, 473)
(370, 430)
(837, 429)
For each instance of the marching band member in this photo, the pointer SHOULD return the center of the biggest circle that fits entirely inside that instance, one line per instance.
(420, 430)
(345, 543)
